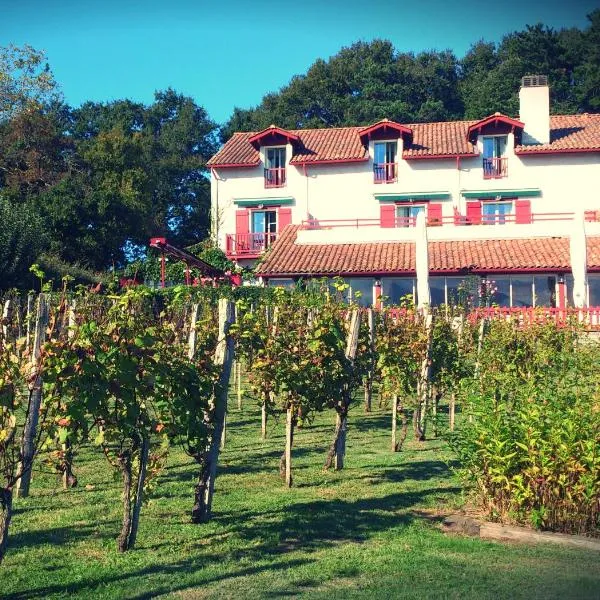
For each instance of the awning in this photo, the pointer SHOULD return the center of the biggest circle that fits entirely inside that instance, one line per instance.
(410, 196)
(263, 201)
(524, 193)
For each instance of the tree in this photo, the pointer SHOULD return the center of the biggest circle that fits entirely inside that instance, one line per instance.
(25, 80)
(361, 84)
(22, 239)
(137, 171)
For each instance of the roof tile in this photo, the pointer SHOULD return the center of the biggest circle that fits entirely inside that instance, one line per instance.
(568, 133)
(288, 258)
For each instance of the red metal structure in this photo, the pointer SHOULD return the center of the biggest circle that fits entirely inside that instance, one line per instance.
(183, 255)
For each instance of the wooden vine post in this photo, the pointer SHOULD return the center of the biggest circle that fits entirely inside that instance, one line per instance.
(35, 401)
(6, 317)
(338, 448)
(369, 377)
(424, 384)
(290, 422)
(223, 358)
(68, 478)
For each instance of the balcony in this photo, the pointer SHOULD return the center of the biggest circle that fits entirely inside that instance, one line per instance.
(495, 168)
(275, 178)
(385, 173)
(591, 216)
(248, 245)
(448, 227)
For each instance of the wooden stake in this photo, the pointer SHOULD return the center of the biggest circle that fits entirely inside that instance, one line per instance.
(452, 410)
(6, 315)
(224, 355)
(193, 334)
(35, 401)
(289, 440)
(238, 364)
(28, 318)
(394, 422)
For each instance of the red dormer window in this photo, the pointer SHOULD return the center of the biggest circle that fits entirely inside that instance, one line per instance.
(275, 175)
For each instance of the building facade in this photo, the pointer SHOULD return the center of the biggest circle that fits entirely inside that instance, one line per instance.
(500, 196)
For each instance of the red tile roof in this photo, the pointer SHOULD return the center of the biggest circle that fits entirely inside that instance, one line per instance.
(289, 258)
(569, 133)
(574, 133)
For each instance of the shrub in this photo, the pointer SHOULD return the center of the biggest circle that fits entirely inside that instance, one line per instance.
(531, 444)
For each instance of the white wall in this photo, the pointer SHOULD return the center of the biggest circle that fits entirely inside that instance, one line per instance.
(568, 182)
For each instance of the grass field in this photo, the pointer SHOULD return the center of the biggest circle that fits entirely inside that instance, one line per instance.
(363, 532)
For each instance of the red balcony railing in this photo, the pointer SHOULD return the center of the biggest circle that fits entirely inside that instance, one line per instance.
(275, 177)
(591, 216)
(385, 172)
(248, 245)
(495, 168)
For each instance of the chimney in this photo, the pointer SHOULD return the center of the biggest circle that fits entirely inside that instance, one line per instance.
(534, 109)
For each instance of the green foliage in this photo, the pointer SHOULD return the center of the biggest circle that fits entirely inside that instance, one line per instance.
(531, 443)
(22, 239)
(25, 79)
(368, 81)
(361, 84)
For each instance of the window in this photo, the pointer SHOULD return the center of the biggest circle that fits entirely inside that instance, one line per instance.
(264, 229)
(544, 289)
(594, 290)
(394, 289)
(406, 215)
(274, 167)
(494, 157)
(495, 213)
(384, 163)
(361, 290)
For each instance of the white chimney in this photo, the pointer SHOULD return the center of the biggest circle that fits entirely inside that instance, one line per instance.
(534, 109)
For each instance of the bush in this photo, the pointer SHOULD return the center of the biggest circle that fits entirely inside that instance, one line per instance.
(531, 444)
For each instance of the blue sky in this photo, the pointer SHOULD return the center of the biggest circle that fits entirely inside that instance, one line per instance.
(228, 53)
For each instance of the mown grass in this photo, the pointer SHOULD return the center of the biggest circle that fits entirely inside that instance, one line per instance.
(366, 531)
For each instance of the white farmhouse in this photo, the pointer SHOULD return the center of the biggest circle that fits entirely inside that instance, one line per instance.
(501, 196)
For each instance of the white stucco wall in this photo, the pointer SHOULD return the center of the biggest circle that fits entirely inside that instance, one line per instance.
(568, 182)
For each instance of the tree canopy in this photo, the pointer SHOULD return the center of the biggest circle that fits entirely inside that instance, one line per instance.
(87, 186)
(368, 81)
(101, 178)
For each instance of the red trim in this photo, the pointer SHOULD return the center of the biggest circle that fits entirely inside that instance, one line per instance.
(273, 130)
(385, 124)
(492, 119)
(332, 161)
(437, 156)
(557, 151)
(412, 273)
(234, 165)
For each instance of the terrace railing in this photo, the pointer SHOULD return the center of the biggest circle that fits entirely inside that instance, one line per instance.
(248, 245)
(592, 216)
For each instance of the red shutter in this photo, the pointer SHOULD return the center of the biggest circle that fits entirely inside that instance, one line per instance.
(474, 212)
(388, 215)
(434, 213)
(284, 217)
(523, 211)
(242, 221)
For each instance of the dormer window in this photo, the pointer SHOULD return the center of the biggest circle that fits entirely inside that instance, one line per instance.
(495, 162)
(385, 167)
(275, 167)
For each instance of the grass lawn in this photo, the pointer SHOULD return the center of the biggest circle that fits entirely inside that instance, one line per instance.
(363, 532)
